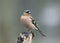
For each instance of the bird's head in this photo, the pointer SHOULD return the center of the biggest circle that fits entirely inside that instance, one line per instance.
(27, 12)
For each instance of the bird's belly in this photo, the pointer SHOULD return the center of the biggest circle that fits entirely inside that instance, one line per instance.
(28, 24)
(25, 23)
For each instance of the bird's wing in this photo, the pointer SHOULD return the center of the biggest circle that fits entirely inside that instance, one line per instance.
(35, 24)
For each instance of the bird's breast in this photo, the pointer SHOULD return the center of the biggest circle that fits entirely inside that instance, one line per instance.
(25, 20)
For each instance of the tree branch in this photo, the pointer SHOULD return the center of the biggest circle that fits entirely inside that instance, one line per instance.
(25, 37)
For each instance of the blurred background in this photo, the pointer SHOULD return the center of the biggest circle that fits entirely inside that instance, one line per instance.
(45, 12)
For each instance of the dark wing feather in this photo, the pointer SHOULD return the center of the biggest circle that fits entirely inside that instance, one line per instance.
(33, 21)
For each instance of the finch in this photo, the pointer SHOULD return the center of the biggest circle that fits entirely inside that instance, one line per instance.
(28, 21)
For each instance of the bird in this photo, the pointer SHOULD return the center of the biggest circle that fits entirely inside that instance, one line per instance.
(29, 22)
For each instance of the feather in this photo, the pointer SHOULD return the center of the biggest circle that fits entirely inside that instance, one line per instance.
(33, 21)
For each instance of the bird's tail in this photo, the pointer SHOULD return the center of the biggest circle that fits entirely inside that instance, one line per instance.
(41, 32)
